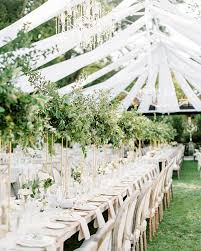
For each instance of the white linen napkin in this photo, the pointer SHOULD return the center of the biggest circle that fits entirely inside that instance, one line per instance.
(111, 210)
(84, 230)
(129, 191)
(99, 221)
(120, 200)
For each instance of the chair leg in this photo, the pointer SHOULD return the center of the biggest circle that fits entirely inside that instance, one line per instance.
(165, 201)
(156, 220)
(141, 242)
(137, 246)
(150, 228)
(168, 199)
(178, 174)
(161, 214)
(145, 241)
(172, 194)
(153, 225)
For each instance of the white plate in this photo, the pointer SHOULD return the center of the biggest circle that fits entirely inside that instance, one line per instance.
(55, 225)
(111, 193)
(30, 241)
(86, 207)
(73, 217)
(99, 199)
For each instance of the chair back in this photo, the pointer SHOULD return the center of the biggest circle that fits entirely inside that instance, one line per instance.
(168, 177)
(161, 184)
(156, 189)
(119, 227)
(140, 206)
(101, 241)
(131, 215)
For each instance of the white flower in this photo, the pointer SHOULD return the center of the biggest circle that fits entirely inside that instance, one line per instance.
(25, 192)
(43, 176)
(110, 166)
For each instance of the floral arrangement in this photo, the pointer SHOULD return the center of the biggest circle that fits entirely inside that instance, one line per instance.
(173, 143)
(34, 188)
(76, 174)
(102, 169)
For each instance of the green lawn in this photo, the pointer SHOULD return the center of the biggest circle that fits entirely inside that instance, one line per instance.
(181, 226)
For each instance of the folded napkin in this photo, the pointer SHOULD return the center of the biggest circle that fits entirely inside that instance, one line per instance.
(99, 221)
(120, 200)
(111, 210)
(84, 230)
(129, 191)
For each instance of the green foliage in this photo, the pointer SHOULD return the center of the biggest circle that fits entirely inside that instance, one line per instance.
(127, 125)
(161, 131)
(10, 11)
(197, 133)
(141, 127)
(19, 119)
(136, 126)
(68, 116)
(178, 123)
(104, 127)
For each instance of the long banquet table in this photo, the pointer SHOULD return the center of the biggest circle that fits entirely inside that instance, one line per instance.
(134, 175)
(162, 158)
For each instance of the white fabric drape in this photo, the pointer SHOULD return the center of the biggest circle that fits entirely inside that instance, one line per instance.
(180, 65)
(138, 70)
(68, 40)
(190, 74)
(63, 69)
(166, 98)
(122, 78)
(126, 3)
(188, 28)
(195, 83)
(178, 46)
(193, 99)
(127, 101)
(149, 94)
(113, 66)
(37, 17)
(194, 68)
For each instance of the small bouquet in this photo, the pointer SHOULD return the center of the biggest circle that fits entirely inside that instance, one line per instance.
(76, 174)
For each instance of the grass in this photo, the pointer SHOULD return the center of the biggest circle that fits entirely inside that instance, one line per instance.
(181, 226)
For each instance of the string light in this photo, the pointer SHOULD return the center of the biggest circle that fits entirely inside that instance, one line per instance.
(85, 16)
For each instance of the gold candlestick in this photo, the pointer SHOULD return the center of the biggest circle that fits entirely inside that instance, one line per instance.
(9, 186)
(52, 146)
(66, 181)
(46, 166)
(62, 173)
(94, 163)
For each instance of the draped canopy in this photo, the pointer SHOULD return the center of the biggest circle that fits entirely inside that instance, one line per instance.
(162, 53)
